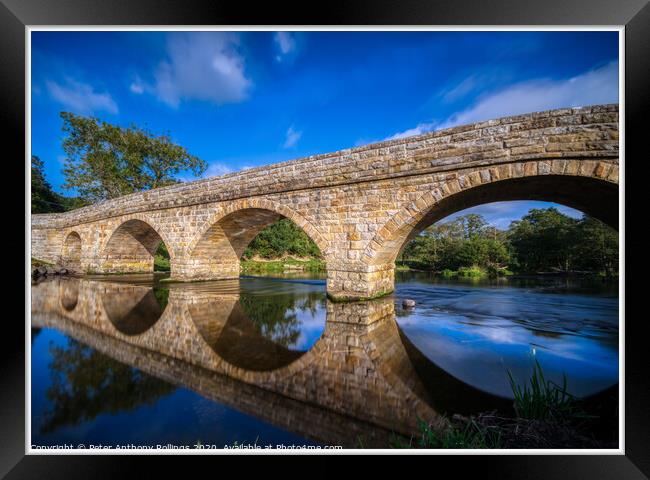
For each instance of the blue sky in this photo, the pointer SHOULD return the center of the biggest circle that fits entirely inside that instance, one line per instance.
(245, 99)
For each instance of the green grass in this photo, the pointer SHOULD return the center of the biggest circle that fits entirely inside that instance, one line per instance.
(541, 399)
(160, 263)
(465, 433)
(287, 264)
(546, 416)
(40, 263)
(472, 271)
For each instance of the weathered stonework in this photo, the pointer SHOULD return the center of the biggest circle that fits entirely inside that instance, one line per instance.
(359, 205)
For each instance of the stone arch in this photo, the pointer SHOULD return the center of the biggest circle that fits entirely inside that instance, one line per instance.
(131, 247)
(71, 251)
(589, 186)
(216, 249)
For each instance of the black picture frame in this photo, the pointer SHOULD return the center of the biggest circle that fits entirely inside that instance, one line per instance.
(15, 15)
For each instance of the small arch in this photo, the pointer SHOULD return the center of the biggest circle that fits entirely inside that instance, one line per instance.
(131, 247)
(596, 196)
(71, 252)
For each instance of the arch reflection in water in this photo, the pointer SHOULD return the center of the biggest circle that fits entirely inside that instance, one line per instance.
(69, 294)
(133, 309)
(262, 331)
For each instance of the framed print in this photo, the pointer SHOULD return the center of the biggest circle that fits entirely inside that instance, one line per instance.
(398, 231)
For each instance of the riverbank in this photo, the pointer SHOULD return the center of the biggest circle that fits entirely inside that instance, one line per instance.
(544, 416)
(280, 265)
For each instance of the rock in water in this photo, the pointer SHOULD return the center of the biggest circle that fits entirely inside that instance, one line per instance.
(408, 303)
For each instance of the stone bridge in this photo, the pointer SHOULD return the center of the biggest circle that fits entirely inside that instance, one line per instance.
(360, 205)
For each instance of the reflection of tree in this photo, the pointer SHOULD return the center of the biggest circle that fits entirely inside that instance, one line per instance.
(86, 383)
(275, 317)
(162, 296)
(35, 333)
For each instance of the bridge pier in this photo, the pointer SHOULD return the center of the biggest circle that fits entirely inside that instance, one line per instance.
(354, 282)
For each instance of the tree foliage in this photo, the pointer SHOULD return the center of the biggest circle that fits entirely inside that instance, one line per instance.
(86, 383)
(106, 161)
(282, 238)
(544, 240)
(44, 199)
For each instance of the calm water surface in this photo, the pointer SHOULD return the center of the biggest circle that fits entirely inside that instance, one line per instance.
(132, 360)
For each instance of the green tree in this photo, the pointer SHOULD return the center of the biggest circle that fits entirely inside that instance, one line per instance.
(282, 238)
(46, 200)
(106, 161)
(544, 240)
(596, 247)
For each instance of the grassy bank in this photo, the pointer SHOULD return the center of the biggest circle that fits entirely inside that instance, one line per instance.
(546, 416)
(466, 272)
(40, 263)
(282, 265)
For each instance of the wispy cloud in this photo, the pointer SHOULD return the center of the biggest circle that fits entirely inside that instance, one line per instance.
(214, 169)
(417, 130)
(596, 86)
(292, 137)
(501, 214)
(137, 86)
(201, 66)
(593, 87)
(80, 97)
(285, 42)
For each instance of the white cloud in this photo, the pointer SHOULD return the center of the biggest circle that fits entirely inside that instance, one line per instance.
(286, 44)
(292, 137)
(500, 214)
(80, 97)
(214, 169)
(137, 86)
(418, 130)
(590, 88)
(201, 66)
(593, 87)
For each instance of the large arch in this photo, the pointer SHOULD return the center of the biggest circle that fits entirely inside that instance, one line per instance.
(591, 188)
(131, 247)
(595, 193)
(216, 250)
(71, 252)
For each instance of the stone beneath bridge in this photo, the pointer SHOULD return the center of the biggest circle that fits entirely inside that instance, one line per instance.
(360, 205)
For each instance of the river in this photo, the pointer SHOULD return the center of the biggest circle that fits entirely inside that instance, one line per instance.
(130, 360)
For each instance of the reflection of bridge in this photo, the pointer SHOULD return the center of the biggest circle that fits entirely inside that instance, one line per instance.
(358, 205)
(358, 378)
